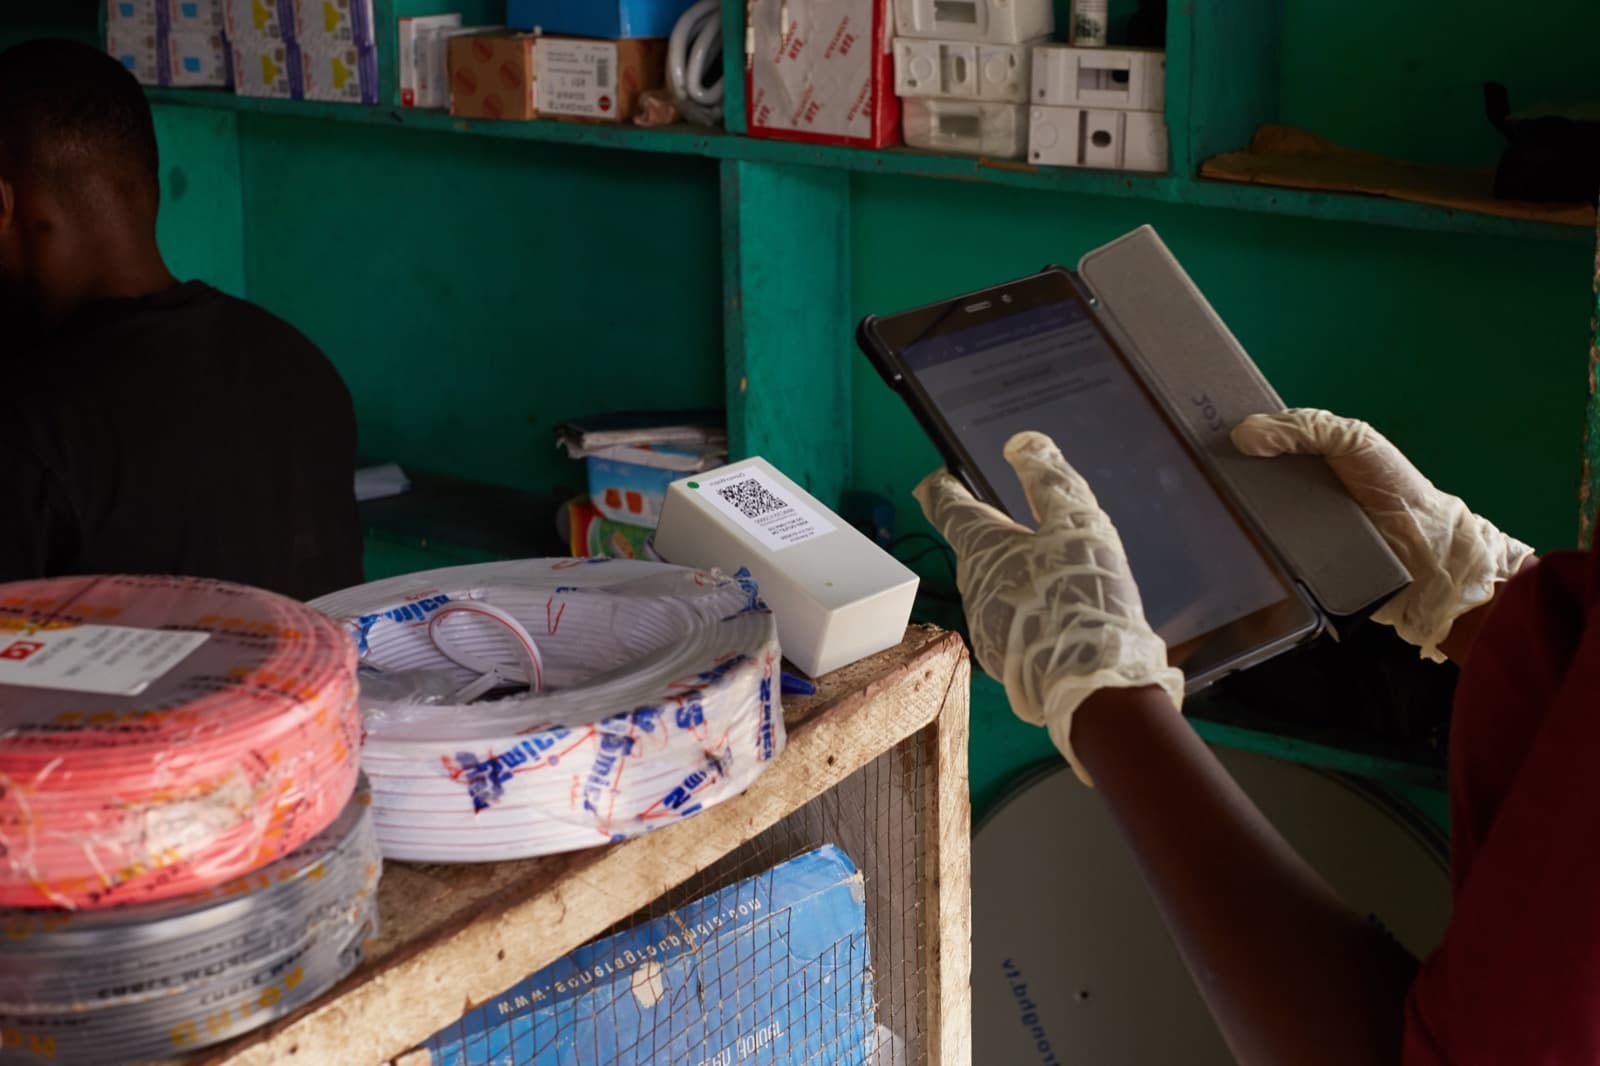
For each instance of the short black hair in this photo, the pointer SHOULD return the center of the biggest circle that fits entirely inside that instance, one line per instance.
(68, 110)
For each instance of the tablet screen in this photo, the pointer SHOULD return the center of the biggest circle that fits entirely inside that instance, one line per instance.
(1049, 368)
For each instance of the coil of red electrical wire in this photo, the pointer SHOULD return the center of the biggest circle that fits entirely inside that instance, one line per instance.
(161, 735)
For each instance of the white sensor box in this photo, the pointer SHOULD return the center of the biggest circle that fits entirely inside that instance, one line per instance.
(994, 21)
(1108, 140)
(1123, 79)
(837, 596)
(962, 69)
(968, 127)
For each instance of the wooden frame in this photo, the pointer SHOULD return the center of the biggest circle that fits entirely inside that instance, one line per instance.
(455, 936)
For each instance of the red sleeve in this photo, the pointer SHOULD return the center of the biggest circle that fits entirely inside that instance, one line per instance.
(1517, 978)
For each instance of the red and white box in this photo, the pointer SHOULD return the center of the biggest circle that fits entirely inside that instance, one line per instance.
(823, 72)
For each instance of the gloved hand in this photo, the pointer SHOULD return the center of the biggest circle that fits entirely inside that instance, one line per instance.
(1054, 614)
(1455, 557)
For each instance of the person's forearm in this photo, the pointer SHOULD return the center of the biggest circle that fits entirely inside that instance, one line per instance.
(1290, 972)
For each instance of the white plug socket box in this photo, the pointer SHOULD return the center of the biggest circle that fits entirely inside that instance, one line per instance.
(967, 127)
(993, 21)
(1123, 79)
(962, 70)
(837, 596)
(1107, 140)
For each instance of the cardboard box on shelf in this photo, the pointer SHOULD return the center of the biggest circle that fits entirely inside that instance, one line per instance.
(258, 20)
(608, 19)
(826, 77)
(432, 88)
(128, 15)
(170, 42)
(326, 25)
(266, 67)
(591, 534)
(493, 75)
(420, 61)
(628, 483)
(340, 74)
(136, 48)
(198, 59)
(193, 16)
(598, 80)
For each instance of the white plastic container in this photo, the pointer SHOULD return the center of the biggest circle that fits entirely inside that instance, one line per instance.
(967, 127)
(992, 21)
(1127, 79)
(962, 69)
(1102, 139)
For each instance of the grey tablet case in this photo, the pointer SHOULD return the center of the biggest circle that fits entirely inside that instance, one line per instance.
(1207, 382)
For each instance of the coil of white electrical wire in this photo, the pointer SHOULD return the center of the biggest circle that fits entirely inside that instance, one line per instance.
(644, 692)
(695, 48)
(160, 735)
(152, 980)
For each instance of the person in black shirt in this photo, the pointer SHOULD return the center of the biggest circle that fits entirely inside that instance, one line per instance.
(146, 425)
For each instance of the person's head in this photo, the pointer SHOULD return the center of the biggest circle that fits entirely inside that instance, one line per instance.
(79, 177)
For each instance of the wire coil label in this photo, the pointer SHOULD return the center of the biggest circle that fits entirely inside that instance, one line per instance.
(114, 660)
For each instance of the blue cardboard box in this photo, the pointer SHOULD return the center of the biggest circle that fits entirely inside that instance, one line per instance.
(774, 969)
(597, 18)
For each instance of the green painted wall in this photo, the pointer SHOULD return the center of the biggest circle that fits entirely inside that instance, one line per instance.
(475, 293)
(1407, 80)
(201, 226)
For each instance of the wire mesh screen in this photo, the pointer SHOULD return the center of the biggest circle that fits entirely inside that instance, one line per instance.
(778, 953)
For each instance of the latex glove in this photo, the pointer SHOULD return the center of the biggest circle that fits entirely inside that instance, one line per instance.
(1455, 557)
(1055, 615)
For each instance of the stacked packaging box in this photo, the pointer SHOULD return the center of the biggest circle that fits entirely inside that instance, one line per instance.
(1099, 107)
(963, 76)
(304, 49)
(170, 42)
(265, 59)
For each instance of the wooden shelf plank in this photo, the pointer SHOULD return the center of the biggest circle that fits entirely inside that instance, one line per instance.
(716, 144)
(455, 936)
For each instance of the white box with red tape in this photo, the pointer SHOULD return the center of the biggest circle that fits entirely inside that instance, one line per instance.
(822, 71)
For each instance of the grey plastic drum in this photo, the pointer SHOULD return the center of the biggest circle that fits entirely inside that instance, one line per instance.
(1071, 963)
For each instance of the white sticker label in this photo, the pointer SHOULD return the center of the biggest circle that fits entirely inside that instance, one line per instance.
(577, 78)
(110, 660)
(763, 508)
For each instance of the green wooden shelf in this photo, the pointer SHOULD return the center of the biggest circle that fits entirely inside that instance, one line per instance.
(680, 140)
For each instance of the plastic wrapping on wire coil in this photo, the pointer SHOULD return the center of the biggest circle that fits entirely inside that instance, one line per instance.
(235, 752)
(149, 981)
(660, 697)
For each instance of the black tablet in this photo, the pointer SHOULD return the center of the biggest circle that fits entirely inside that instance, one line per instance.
(1032, 355)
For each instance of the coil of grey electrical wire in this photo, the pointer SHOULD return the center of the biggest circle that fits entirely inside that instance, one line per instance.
(149, 981)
